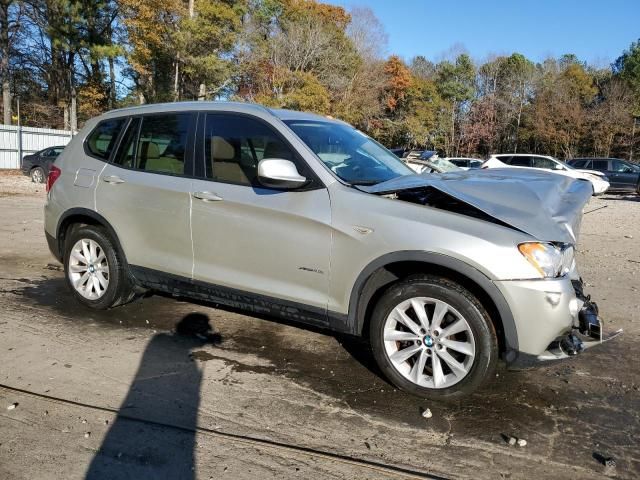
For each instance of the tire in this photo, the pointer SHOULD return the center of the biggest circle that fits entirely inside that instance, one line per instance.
(113, 289)
(457, 374)
(37, 175)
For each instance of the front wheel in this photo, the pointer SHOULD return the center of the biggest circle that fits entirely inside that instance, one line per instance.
(431, 337)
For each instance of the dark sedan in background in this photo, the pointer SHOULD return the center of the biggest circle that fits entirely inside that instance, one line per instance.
(37, 164)
(623, 176)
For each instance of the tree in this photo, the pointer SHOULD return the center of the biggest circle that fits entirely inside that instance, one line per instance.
(456, 85)
(10, 13)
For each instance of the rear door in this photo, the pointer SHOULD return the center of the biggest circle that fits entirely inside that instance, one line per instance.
(269, 242)
(144, 192)
(604, 166)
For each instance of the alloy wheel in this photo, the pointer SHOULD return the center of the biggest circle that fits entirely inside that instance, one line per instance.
(88, 269)
(37, 176)
(429, 342)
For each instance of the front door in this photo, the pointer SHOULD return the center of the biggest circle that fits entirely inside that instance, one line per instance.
(625, 175)
(144, 192)
(273, 244)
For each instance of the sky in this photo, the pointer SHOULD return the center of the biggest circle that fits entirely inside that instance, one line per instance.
(597, 31)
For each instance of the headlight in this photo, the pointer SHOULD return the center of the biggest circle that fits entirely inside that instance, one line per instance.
(550, 260)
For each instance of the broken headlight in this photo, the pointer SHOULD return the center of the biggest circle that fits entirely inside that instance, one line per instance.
(549, 259)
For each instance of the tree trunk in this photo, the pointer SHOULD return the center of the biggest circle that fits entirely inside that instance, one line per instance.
(73, 113)
(4, 61)
(6, 101)
(112, 84)
(176, 80)
(202, 94)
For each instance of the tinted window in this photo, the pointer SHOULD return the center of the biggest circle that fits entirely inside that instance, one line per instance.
(459, 163)
(623, 167)
(101, 142)
(520, 161)
(600, 165)
(539, 162)
(162, 143)
(234, 145)
(126, 153)
(579, 163)
(505, 159)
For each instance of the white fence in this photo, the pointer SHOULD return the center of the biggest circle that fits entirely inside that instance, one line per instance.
(16, 142)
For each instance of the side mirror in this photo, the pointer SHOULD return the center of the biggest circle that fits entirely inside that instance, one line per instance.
(557, 166)
(279, 173)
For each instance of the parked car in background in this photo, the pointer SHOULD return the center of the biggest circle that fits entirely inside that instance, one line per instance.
(432, 165)
(398, 152)
(465, 163)
(599, 182)
(37, 164)
(623, 176)
(305, 218)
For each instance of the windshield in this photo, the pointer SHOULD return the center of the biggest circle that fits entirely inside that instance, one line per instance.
(443, 164)
(349, 153)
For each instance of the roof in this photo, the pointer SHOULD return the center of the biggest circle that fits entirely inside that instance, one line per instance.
(240, 107)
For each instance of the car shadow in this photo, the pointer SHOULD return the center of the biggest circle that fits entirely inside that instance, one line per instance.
(165, 390)
(627, 197)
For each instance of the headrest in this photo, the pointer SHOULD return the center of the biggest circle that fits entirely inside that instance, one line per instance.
(151, 150)
(221, 149)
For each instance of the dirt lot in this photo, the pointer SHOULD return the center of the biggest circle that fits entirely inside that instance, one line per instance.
(120, 394)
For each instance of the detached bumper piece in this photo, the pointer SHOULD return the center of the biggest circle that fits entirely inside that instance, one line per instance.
(589, 327)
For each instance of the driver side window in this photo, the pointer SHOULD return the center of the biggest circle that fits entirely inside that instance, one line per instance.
(234, 145)
(539, 162)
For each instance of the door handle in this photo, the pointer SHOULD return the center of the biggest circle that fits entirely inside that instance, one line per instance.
(207, 196)
(113, 179)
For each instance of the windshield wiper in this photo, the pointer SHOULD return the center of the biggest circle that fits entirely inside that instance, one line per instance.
(365, 183)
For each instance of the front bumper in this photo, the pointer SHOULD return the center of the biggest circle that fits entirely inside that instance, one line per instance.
(554, 320)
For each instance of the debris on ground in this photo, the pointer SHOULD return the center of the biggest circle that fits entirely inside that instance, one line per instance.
(87, 434)
(608, 462)
(513, 441)
(628, 236)
(427, 413)
(12, 406)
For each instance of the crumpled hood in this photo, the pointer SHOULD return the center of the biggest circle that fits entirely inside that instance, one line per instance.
(542, 204)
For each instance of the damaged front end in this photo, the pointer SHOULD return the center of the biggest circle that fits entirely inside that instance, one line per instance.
(588, 333)
(553, 317)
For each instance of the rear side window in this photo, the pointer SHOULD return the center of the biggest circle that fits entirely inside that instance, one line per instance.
(600, 165)
(162, 144)
(156, 143)
(102, 140)
(234, 145)
(505, 159)
(580, 163)
(126, 153)
(520, 161)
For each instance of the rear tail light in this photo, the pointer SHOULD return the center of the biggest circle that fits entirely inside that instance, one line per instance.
(54, 173)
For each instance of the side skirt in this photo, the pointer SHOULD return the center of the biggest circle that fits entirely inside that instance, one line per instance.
(250, 302)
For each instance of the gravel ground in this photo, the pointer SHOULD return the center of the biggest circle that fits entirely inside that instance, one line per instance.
(118, 394)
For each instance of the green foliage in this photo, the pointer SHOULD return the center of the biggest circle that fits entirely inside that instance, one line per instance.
(318, 57)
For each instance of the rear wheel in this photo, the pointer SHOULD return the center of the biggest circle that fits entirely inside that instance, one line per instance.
(431, 337)
(95, 270)
(37, 175)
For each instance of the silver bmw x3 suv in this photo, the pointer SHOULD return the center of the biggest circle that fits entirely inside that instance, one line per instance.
(305, 218)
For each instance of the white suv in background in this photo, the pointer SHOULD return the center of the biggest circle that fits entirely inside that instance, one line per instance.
(598, 180)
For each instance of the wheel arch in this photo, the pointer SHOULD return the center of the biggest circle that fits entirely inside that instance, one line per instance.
(83, 216)
(385, 270)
